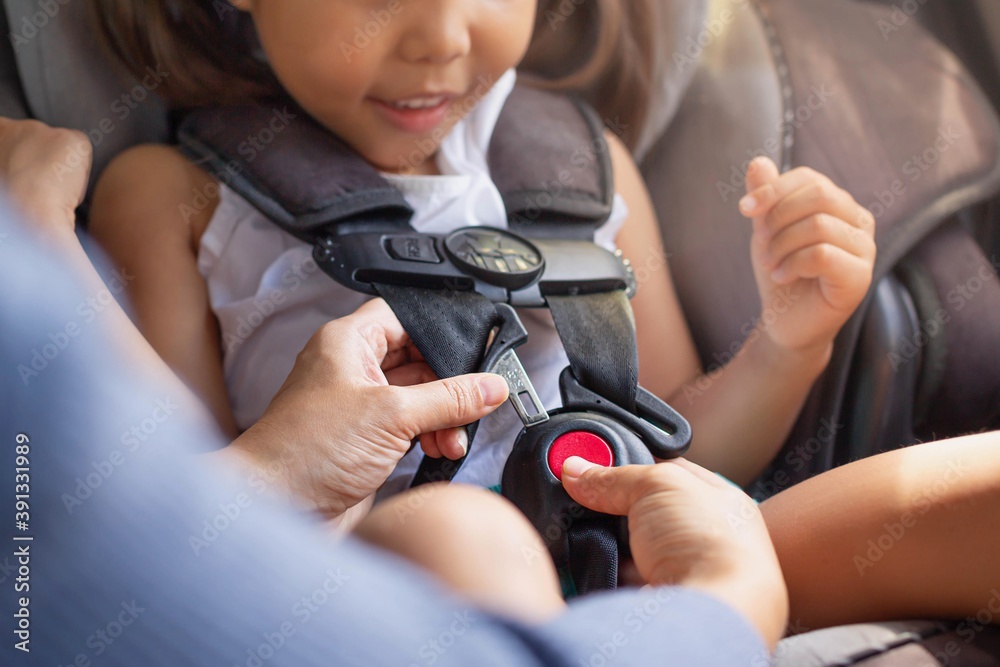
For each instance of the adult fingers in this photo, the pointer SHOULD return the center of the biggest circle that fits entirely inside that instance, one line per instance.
(448, 403)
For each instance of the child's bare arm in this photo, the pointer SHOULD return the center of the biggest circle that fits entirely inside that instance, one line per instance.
(138, 216)
(743, 413)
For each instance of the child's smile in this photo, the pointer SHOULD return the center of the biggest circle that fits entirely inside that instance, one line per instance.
(398, 93)
(417, 114)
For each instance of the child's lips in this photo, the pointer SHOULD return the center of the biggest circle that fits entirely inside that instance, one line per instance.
(415, 114)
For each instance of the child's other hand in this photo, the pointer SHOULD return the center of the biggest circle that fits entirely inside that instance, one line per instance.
(813, 251)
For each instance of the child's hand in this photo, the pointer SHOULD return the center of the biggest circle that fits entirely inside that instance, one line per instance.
(813, 251)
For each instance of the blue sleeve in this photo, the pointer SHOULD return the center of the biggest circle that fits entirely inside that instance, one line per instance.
(133, 551)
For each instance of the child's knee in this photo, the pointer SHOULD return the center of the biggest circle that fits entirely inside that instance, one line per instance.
(450, 515)
(474, 540)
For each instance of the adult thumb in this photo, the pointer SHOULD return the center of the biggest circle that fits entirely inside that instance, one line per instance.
(451, 402)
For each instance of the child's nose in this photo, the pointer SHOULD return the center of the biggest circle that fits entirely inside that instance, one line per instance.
(440, 34)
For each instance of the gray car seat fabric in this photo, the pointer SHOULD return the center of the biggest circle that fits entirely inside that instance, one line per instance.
(896, 122)
(900, 644)
(68, 81)
(12, 103)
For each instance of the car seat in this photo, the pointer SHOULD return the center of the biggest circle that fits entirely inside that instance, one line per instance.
(899, 124)
(735, 79)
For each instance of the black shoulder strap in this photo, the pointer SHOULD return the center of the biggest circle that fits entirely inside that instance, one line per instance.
(548, 158)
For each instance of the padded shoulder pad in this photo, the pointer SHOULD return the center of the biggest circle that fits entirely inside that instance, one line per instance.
(549, 154)
(289, 167)
(548, 158)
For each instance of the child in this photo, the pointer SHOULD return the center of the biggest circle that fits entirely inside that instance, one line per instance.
(200, 276)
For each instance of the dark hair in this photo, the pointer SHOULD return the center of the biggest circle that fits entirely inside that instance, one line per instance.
(600, 49)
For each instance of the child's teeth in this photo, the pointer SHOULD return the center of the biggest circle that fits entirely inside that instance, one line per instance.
(419, 104)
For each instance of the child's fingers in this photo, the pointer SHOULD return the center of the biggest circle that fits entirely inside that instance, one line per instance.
(400, 356)
(428, 443)
(816, 230)
(760, 172)
(453, 443)
(820, 196)
(760, 201)
(450, 443)
(842, 275)
(410, 374)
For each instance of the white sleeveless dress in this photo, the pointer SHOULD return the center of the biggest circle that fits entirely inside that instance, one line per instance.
(270, 297)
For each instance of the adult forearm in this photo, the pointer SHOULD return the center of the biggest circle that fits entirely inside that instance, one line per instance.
(654, 626)
(742, 412)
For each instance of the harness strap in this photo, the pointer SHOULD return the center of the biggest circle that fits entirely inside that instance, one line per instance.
(594, 555)
(450, 329)
(598, 333)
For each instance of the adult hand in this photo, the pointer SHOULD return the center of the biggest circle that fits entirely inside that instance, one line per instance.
(688, 527)
(45, 171)
(351, 406)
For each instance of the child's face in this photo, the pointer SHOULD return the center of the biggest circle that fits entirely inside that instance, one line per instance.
(391, 77)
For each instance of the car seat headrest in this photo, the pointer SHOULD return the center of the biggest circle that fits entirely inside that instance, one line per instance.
(683, 29)
(68, 81)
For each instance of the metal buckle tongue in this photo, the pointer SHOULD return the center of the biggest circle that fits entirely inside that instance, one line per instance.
(501, 359)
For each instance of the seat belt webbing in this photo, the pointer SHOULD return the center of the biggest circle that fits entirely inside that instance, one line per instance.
(598, 333)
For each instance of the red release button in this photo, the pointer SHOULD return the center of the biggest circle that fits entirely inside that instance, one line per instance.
(579, 443)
